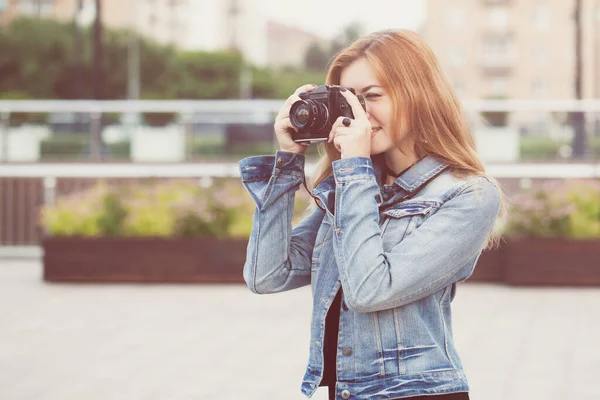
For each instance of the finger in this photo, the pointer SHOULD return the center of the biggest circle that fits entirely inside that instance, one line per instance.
(338, 130)
(284, 123)
(357, 110)
(338, 123)
(337, 142)
(305, 88)
(284, 111)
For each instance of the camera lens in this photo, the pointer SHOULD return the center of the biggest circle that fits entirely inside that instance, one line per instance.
(308, 115)
(302, 114)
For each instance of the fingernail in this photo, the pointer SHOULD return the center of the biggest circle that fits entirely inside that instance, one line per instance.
(343, 89)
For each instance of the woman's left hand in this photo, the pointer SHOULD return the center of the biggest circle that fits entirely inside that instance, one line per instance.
(353, 140)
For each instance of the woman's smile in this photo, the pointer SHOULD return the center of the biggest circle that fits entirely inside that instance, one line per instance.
(375, 130)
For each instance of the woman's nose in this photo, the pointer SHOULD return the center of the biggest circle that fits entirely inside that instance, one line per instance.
(368, 111)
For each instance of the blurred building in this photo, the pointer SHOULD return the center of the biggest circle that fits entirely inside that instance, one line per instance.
(10, 9)
(165, 21)
(516, 49)
(287, 45)
(206, 25)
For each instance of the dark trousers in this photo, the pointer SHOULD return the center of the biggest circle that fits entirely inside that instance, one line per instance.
(449, 396)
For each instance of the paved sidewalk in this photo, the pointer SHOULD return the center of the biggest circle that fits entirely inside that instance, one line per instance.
(138, 342)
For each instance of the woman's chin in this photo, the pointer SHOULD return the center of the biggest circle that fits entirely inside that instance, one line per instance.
(375, 150)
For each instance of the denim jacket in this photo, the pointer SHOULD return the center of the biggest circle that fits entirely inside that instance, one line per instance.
(397, 251)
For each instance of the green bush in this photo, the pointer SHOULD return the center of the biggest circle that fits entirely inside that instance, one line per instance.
(65, 146)
(532, 148)
(495, 118)
(557, 209)
(86, 213)
(119, 150)
(22, 118)
(158, 118)
(77, 146)
(544, 148)
(179, 208)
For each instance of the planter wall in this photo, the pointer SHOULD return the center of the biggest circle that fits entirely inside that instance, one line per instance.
(541, 261)
(519, 262)
(553, 261)
(144, 260)
(490, 266)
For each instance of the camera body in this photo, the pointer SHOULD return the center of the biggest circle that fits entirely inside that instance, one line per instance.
(313, 115)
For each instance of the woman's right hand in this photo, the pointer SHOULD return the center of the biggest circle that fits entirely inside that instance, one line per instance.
(283, 126)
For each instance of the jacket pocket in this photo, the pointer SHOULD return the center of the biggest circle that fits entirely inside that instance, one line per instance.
(400, 221)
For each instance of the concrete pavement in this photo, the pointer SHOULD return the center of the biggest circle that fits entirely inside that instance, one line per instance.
(147, 342)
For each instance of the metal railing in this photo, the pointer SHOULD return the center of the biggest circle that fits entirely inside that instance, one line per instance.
(201, 127)
(25, 187)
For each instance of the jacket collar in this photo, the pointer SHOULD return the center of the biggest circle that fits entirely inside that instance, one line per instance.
(411, 180)
(420, 173)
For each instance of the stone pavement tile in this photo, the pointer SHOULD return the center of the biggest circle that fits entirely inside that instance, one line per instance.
(528, 388)
(145, 342)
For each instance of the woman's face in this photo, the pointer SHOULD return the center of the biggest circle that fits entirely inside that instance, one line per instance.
(361, 76)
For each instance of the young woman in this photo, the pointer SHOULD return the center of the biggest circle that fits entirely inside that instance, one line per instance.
(404, 211)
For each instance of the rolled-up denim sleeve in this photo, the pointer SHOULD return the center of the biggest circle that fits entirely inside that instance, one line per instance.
(441, 251)
(278, 257)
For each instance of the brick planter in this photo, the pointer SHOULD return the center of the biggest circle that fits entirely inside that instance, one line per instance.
(490, 266)
(541, 262)
(144, 260)
(553, 261)
(519, 262)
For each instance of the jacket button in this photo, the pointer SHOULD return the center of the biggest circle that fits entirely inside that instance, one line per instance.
(280, 162)
(346, 351)
(345, 394)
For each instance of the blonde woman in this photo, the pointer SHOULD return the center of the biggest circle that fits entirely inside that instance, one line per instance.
(404, 210)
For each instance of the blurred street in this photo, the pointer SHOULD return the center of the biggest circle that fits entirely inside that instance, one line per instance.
(108, 342)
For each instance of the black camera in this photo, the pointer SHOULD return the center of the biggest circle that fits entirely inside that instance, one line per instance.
(315, 113)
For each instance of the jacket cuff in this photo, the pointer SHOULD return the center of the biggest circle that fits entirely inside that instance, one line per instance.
(355, 168)
(258, 168)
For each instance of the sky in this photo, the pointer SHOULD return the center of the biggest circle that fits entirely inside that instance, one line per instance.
(327, 18)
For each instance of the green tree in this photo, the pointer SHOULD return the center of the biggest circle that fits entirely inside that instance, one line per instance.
(316, 58)
(33, 57)
(208, 75)
(349, 34)
(42, 59)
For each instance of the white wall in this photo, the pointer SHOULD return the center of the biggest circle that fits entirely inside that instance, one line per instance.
(209, 28)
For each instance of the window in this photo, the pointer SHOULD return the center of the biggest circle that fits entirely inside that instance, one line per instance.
(496, 48)
(541, 19)
(3, 5)
(540, 87)
(540, 54)
(455, 18)
(87, 13)
(35, 7)
(498, 17)
(498, 87)
(459, 87)
(456, 56)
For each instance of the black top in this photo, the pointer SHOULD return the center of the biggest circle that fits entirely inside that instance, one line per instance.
(332, 321)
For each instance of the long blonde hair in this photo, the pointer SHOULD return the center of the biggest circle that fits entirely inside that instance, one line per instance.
(427, 105)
